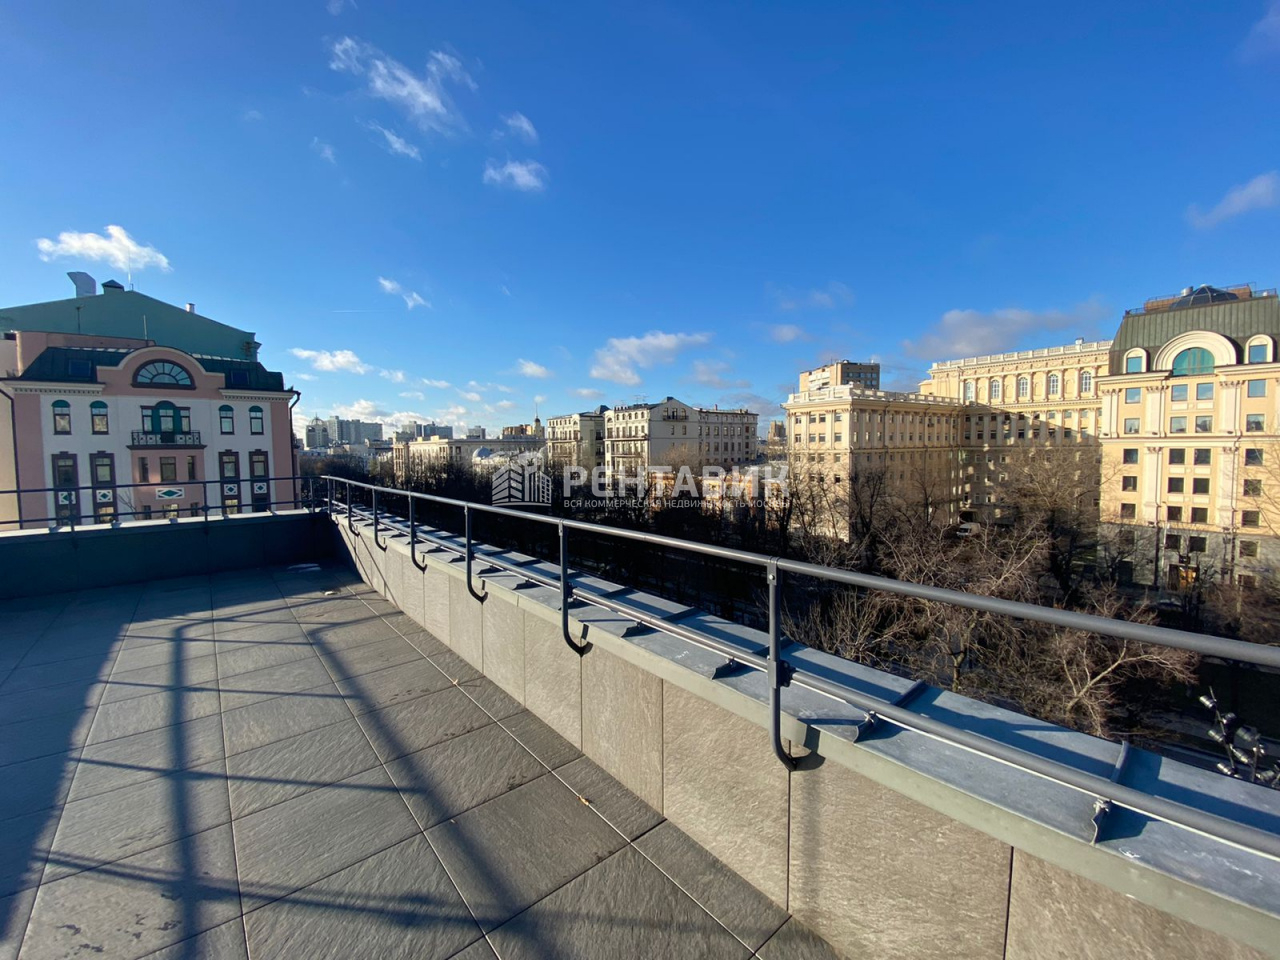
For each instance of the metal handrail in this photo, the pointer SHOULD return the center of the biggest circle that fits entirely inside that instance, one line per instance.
(779, 673)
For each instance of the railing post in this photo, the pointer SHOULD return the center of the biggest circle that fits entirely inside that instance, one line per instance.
(466, 517)
(566, 593)
(779, 670)
(413, 531)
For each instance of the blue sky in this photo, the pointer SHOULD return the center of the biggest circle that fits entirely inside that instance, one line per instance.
(448, 211)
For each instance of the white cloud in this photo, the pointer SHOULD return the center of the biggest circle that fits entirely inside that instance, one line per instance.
(470, 395)
(766, 408)
(526, 175)
(786, 333)
(438, 384)
(710, 373)
(520, 126)
(1264, 37)
(252, 115)
(304, 376)
(1260, 193)
(370, 411)
(414, 395)
(336, 7)
(116, 248)
(504, 405)
(332, 361)
(540, 398)
(834, 294)
(395, 376)
(395, 143)
(411, 299)
(618, 359)
(528, 368)
(325, 150)
(588, 393)
(974, 333)
(424, 98)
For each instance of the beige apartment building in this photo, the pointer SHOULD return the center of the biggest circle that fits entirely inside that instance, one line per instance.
(410, 455)
(673, 433)
(842, 373)
(577, 438)
(1190, 460)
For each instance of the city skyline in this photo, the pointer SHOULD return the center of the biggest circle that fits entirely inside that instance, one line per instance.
(450, 182)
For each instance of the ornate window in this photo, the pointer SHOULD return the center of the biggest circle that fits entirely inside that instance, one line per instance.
(98, 416)
(995, 389)
(227, 418)
(968, 391)
(61, 416)
(1258, 350)
(1192, 362)
(1024, 388)
(162, 373)
(1055, 384)
(255, 420)
(1086, 381)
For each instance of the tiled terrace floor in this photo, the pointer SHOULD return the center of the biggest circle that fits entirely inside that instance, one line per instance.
(277, 763)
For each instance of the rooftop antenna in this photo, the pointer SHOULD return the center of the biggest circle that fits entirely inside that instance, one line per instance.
(144, 327)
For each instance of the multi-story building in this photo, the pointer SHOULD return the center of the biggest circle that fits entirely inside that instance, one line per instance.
(577, 438)
(675, 434)
(317, 434)
(1190, 460)
(352, 431)
(478, 451)
(842, 373)
(524, 429)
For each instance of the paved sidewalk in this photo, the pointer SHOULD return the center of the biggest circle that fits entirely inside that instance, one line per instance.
(277, 763)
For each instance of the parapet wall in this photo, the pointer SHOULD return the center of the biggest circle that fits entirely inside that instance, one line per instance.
(885, 842)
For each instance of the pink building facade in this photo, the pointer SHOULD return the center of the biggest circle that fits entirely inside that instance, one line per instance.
(113, 428)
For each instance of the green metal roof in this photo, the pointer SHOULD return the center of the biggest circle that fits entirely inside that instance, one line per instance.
(76, 365)
(127, 313)
(1237, 320)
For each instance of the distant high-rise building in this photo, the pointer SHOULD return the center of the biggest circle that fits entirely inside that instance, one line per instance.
(842, 373)
(317, 434)
(352, 431)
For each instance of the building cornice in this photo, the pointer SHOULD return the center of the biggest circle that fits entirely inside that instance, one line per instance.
(267, 396)
(64, 389)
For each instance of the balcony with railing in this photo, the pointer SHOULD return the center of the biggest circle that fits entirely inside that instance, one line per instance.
(143, 439)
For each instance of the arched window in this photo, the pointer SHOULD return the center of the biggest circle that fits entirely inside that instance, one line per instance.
(1259, 350)
(255, 419)
(1055, 384)
(162, 373)
(1135, 361)
(1024, 388)
(98, 416)
(1086, 382)
(995, 389)
(968, 391)
(61, 416)
(1192, 362)
(227, 418)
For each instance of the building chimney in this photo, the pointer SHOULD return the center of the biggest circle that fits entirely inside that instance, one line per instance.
(86, 286)
(191, 307)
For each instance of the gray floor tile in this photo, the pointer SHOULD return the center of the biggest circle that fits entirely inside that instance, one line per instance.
(293, 844)
(295, 676)
(140, 905)
(58, 646)
(795, 941)
(621, 808)
(200, 673)
(480, 950)
(24, 841)
(155, 753)
(396, 684)
(396, 905)
(144, 632)
(492, 698)
(425, 643)
(540, 740)
(111, 826)
(123, 718)
(444, 780)
(225, 942)
(289, 768)
(369, 657)
(15, 911)
(28, 739)
(250, 655)
(36, 784)
(624, 907)
(409, 727)
(26, 677)
(453, 666)
(161, 654)
(341, 634)
(748, 913)
(280, 717)
(509, 853)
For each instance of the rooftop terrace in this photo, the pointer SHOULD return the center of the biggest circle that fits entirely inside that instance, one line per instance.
(279, 763)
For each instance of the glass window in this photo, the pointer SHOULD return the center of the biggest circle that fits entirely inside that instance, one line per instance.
(1128, 483)
(1024, 388)
(1250, 518)
(1133, 364)
(1177, 424)
(227, 419)
(1175, 514)
(1128, 511)
(1133, 395)
(64, 471)
(98, 416)
(1131, 455)
(1131, 425)
(1194, 362)
(144, 470)
(1175, 484)
(1173, 541)
(1204, 424)
(103, 469)
(1196, 544)
(1253, 457)
(191, 468)
(1204, 391)
(1253, 488)
(1203, 457)
(968, 391)
(994, 390)
(1254, 422)
(1177, 456)
(1178, 392)
(258, 465)
(163, 374)
(1248, 548)
(1200, 486)
(168, 469)
(1086, 381)
(1199, 514)
(229, 466)
(1257, 388)
(255, 420)
(1054, 384)
(61, 416)
(1257, 353)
